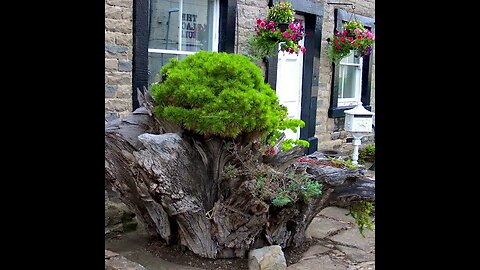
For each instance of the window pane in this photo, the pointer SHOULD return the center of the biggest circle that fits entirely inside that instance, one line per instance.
(196, 22)
(156, 61)
(347, 81)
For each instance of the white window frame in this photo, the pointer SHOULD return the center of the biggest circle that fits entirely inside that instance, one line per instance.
(344, 102)
(215, 26)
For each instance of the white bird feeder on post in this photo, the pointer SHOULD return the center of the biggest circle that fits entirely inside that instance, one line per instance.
(359, 122)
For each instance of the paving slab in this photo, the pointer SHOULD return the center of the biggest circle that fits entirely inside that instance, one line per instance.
(352, 237)
(320, 263)
(321, 227)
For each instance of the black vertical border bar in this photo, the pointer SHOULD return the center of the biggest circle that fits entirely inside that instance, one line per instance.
(140, 49)
(227, 24)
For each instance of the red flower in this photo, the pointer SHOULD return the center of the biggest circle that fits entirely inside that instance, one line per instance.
(342, 39)
(350, 39)
(335, 41)
(359, 37)
(338, 47)
(344, 32)
(259, 21)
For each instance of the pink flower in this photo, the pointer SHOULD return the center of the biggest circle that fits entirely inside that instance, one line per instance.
(338, 47)
(335, 41)
(357, 31)
(359, 37)
(262, 24)
(342, 39)
(294, 36)
(336, 33)
(272, 29)
(271, 23)
(370, 34)
(350, 39)
(344, 33)
(286, 34)
(259, 21)
(304, 49)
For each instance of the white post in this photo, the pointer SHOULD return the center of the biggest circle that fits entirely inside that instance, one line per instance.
(357, 141)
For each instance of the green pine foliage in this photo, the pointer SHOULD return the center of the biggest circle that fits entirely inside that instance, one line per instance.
(219, 94)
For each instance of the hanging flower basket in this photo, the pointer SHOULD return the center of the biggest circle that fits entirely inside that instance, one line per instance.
(282, 26)
(355, 37)
(279, 28)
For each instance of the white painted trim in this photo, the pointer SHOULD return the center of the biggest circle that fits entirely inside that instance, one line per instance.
(168, 51)
(358, 85)
(215, 27)
(180, 30)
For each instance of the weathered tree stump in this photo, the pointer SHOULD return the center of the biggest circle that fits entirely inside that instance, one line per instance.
(173, 181)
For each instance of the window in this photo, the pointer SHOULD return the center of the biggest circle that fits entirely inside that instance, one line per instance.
(178, 28)
(351, 78)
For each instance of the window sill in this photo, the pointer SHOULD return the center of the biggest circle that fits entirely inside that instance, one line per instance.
(340, 111)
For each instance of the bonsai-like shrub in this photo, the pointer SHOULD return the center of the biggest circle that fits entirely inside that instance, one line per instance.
(220, 94)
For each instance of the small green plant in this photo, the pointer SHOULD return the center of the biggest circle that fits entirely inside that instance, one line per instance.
(297, 186)
(347, 163)
(361, 213)
(351, 25)
(367, 153)
(281, 12)
(282, 199)
(310, 190)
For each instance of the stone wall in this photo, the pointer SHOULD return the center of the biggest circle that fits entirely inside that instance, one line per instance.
(118, 57)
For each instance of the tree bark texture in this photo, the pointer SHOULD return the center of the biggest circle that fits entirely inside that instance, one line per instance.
(172, 180)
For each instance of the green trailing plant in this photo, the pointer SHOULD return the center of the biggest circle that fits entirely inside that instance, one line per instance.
(220, 94)
(361, 212)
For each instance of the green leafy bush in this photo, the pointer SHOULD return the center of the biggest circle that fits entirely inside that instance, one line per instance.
(219, 94)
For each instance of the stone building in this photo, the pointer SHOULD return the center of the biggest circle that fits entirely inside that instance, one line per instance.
(140, 37)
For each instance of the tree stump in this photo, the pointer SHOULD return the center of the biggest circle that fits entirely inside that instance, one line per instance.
(174, 182)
